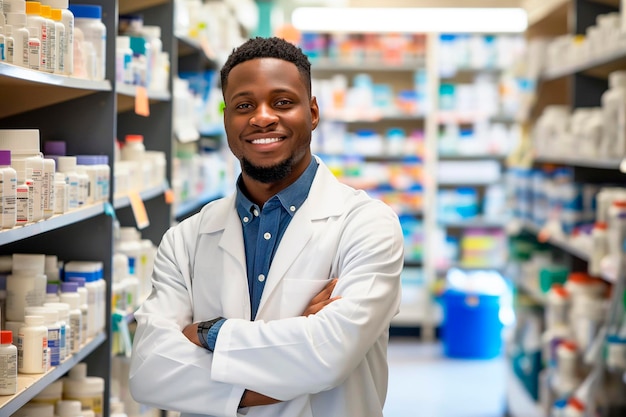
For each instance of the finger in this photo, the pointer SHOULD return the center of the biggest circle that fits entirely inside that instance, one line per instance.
(325, 293)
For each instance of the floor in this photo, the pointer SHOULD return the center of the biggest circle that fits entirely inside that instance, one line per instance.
(424, 383)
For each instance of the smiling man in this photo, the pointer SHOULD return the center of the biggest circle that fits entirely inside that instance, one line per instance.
(275, 300)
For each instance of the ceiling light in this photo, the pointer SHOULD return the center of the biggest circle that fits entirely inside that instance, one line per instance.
(409, 20)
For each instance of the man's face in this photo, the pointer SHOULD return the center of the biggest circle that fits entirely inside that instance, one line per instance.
(269, 118)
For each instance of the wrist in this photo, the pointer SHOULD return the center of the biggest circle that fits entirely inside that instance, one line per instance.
(203, 331)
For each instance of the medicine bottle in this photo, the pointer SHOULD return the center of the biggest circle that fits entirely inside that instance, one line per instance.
(67, 19)
(20, 36)
(49, 170)
(67, 165)
(88, 18)
(69, 408)
(9, 43)
(52, 393)
(26, 286)
(52, 293)
(34, 48)
(50, 62)
(84, 306)
(8, 363)
(8, 191)
(59, 34)
(51, 321)
(69, 295)
(61, 197)
(32, 346)
(65, 329)
(614, 111)
(31, 409)
(35, 20)
(89, 390)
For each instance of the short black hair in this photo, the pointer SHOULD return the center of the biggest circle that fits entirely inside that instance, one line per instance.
(273, 47)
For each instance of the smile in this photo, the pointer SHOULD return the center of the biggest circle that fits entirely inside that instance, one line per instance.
(265, 141)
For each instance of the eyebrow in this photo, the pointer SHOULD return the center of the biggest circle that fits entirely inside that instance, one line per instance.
(276, 91)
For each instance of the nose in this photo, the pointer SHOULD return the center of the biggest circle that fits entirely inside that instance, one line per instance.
(264, 116)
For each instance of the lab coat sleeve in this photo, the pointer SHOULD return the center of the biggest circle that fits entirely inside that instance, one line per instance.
(290, 357)
(168, 371)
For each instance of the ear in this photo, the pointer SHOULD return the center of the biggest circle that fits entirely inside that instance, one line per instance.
(315, 113)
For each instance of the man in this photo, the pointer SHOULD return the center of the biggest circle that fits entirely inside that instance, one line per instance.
(276, 300)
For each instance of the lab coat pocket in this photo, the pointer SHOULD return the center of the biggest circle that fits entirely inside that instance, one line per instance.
(297, 293)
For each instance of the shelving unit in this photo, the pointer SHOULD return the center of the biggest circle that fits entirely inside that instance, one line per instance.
(396, 76)
(576, 85)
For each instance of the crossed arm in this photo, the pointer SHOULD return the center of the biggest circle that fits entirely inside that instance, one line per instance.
(317, 303)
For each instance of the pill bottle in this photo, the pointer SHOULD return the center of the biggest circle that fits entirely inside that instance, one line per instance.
(88, 18)
(34, 409)
(8, 363)
(89, 390)
(32, 346)
(8, 191)
(52, 393)
(65, 329)
(51, 321)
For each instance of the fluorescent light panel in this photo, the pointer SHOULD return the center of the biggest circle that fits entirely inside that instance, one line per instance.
(409, 20)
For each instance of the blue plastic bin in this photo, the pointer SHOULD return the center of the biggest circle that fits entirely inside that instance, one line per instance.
(471, 325)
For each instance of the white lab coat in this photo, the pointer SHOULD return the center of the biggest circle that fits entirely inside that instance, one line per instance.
(331, 364)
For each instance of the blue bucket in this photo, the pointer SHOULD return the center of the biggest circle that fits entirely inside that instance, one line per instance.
(471, 325)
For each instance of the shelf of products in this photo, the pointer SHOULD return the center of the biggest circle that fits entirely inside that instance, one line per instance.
(566, 192)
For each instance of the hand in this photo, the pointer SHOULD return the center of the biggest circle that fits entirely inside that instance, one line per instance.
(322, 299)
(191, 332)
(252, 398)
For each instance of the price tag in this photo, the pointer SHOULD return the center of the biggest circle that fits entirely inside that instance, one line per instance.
(139, 210)
(169, 196)
(142, 104)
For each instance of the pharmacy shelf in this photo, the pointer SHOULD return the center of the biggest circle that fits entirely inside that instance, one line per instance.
(131, 6)
(23, 84)
(373, 117)
(150, 193)
(31, 385)
(374, 66)
(470, 157)
(126, 95)
(611, 164)
(55, 222)
(599, 66)
(478, 221)
(461, 183)
(519, 401)
(558, 242)
(184, 208)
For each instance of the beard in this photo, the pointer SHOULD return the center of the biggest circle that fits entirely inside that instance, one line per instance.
(268, 175)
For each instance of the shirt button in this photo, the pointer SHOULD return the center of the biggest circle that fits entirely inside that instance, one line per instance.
(261, 278)
(255, 212)
(292, 208)
(246, 220)
(267, 236)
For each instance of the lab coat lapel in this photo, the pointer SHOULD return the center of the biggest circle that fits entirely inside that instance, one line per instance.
(300, 230)
(235, 273)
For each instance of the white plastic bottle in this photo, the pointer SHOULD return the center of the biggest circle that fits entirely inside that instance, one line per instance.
(51, 321)
(89, 390)
(47, 188)
(123, 60)
(61, 194)
(26, 286)
(50, 51)
(24, 199)
(65, 330)
(67, 165)
(8, 363)
(59, 35)
(20, 36)
(34, 19)
(32, 409)
(88, 18)
(34, 49)
(9, 43)
(69, 295)
(614, 112)
(84, 304)
(67, 19)
(3, 55)
(32, 346)
(69, 408)
(85, 184)
(8, 191)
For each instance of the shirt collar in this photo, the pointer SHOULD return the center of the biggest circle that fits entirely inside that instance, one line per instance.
(291, 198)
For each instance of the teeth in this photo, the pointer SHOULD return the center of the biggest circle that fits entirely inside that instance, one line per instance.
(265, 141)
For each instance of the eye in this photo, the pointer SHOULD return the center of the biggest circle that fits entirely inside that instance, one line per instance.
(284, 102)
(243, 106)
